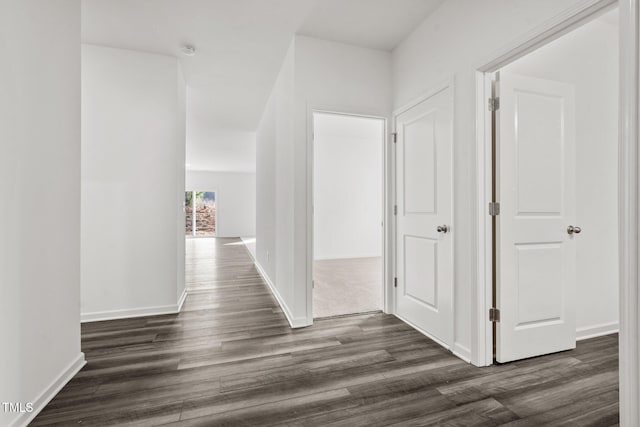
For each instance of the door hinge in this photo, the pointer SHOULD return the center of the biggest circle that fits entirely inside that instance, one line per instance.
(494, 104)
(395, 209)
(313, 284)
(395, 282)
(494, 208)
(394, 135)
(494, 315)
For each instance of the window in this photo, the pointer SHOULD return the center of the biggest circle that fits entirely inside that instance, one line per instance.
(200, 213)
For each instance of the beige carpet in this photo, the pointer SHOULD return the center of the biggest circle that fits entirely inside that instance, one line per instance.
(347, 286)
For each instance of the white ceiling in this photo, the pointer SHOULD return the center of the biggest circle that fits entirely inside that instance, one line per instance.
(377, 24)
(240, 46)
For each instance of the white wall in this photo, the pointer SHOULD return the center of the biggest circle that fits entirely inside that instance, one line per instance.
(235, 200)
(453, 42)
(133, 140)
(586, 59)
(211, 148)
(316, 75)
(274, 186)
(348, 186)
(40, 209)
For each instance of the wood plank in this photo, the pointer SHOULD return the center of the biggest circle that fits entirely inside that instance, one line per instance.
(230, 358)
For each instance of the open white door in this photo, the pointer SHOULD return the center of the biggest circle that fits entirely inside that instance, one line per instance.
(424, 294)
(536, 191)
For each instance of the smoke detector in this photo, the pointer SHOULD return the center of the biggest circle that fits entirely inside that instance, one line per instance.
(188, 50)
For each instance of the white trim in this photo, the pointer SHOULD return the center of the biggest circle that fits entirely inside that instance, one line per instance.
(99, 316)
(553, 28)
(482, 353)
(597, 331)
(448, 83)
(434, 90)
(295, 323)
(461, 352)
(628, 214)
(50, 391)
(181, 300)
(390, 219)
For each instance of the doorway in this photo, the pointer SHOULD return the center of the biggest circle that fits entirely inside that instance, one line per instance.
(348, 202)
(200, 213)
(553, 198)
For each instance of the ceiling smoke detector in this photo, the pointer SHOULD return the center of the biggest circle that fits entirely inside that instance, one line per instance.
(188, 50)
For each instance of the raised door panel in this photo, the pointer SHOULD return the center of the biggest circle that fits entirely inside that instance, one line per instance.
(540, 153)
(420, 165)
(421, 271)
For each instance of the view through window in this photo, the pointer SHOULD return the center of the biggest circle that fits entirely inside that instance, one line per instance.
(200, 213)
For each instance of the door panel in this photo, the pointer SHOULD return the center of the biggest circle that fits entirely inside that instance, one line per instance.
(539, 282)
(424, 296)
(421, 282)
(536, 190)
(419, 161)
(539, 137)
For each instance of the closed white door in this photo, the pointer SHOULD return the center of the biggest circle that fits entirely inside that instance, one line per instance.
(424, 293)
(536, 246)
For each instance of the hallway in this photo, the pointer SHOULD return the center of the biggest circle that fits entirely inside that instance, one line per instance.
(214, 263)
(230, 358)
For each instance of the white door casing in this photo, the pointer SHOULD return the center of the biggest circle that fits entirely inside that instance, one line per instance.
(536, 281)
(424, 183)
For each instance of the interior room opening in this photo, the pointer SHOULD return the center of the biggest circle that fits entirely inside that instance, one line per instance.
(556, 181)
(348, 197)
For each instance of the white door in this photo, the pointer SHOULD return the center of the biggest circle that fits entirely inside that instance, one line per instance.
(424, 293)
(536, 191)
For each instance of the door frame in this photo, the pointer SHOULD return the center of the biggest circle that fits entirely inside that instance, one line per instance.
(310, 201)
(628, 187)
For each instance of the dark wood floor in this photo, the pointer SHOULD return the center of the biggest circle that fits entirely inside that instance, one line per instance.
(230, 359)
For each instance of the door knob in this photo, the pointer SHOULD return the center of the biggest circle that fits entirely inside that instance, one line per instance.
(571, 230)
(442, 229)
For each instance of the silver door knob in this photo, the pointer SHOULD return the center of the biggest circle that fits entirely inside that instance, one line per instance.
(574, 230)
(442, 229)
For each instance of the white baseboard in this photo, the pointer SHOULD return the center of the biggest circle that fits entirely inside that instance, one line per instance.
(99, 316)
(461, 352)
(294, 322)
(181, 300)
(597, 331)
(250, 245)
(51, 391)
